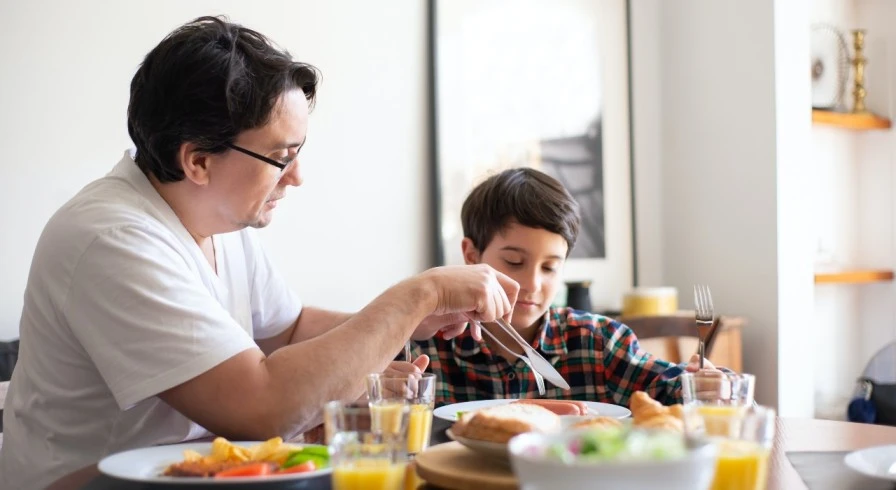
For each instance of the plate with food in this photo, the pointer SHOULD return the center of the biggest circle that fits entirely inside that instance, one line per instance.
(219, 462)
(487, 430)
(560, 407)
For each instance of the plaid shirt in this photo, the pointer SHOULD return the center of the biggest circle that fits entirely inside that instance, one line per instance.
(599, 357)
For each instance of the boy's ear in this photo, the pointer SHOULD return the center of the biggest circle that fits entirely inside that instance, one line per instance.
(470, 252)
(195, 163)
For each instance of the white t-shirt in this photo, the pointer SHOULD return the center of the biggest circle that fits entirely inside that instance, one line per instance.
(121, 305)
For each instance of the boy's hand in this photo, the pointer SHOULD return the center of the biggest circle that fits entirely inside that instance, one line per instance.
(694, 365)
(711, 382)
(396, 388)
(402, 368)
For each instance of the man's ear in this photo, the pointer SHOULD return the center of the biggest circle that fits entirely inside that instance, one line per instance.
(194, 162)
(470, 252)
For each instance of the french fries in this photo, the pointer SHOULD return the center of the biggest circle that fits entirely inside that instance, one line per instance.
(224, 451)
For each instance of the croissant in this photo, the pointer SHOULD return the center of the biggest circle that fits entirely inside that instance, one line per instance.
(651, 414)
(662, 422)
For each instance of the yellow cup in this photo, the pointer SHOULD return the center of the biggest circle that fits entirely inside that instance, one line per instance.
(650, 302)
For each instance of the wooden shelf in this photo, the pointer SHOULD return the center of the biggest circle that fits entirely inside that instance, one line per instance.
(855, 276)
(848, 120)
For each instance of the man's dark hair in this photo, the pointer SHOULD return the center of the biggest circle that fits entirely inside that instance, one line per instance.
(522, 195)
(205, 83)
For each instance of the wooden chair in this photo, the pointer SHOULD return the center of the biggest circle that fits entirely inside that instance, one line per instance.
(672, 338)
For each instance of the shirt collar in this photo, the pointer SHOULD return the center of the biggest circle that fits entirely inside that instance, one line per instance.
(551, 338)
(127, 170)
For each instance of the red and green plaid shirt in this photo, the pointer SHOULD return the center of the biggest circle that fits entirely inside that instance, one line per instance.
(599, 357)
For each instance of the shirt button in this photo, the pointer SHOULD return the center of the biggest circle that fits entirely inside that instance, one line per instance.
(511, 376)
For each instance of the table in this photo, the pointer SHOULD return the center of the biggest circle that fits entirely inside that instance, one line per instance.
(791, 435)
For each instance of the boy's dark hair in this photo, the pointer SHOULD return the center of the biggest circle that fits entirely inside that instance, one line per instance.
(524, 195)
(206, 82)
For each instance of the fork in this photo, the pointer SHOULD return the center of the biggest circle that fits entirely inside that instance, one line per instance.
(703, 313)
(539, 379)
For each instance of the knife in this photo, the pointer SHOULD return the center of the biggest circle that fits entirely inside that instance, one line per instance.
(539, 363)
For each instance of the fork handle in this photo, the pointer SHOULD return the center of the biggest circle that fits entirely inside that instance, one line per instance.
(700, 352)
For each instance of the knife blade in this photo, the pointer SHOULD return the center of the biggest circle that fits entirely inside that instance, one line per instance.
(539, 363)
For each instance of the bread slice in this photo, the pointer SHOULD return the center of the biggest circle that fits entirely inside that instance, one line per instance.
(500, 423)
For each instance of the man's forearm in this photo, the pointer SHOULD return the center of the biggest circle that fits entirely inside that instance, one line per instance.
(333, 365)
(313, 322)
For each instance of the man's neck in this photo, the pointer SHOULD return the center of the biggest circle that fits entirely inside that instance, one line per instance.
(188, 215)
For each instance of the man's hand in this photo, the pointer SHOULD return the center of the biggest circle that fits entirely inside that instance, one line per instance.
(466, 293)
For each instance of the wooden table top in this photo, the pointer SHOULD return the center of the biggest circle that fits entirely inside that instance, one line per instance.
(791, 435)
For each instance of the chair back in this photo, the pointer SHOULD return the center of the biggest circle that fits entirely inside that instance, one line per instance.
(672, 338)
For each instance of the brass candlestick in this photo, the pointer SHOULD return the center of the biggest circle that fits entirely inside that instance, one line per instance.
(859, 62)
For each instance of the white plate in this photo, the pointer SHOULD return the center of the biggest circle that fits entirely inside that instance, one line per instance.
(494, 450)
(148, 464)
(449, 412)
(877, 461)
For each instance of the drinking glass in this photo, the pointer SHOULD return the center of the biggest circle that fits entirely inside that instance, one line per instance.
(718, 388)
(744, 436)
(414, 390)
(368, 447)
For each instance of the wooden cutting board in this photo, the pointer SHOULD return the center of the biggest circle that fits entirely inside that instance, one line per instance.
(454, 467)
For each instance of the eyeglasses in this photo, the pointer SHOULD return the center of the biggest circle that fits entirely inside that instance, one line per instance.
(263, 158)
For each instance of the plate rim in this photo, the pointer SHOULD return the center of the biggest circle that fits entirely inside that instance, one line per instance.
(103, 466)
(453, 418)
(850, 461)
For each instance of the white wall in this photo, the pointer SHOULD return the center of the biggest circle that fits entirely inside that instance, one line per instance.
(66, 68)
(720, 133)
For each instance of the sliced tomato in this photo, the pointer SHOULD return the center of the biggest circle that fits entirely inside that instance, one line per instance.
(299, 468)
(251, 469)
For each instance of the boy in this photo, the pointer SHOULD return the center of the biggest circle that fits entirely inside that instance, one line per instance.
(524, 223)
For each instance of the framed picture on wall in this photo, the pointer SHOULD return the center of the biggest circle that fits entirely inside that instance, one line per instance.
(543, 84)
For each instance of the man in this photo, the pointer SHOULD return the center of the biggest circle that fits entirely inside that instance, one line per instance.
(152, 314)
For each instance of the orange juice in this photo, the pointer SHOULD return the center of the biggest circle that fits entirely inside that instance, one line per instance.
(419, 427)
(369, 474)
(721, 420)
(386, 417)
(741, 465)
(412, 480)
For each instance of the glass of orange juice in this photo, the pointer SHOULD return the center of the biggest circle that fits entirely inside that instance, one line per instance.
(368, 446)
(417, 391)
(744, 435)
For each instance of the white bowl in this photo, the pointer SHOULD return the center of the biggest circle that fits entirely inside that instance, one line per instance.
(694, 471)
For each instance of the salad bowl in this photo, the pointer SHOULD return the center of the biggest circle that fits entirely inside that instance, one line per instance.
(612, 458)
